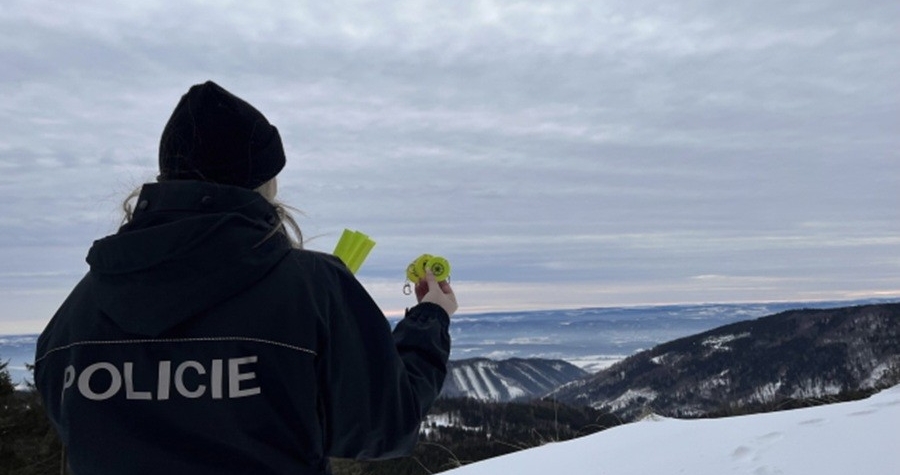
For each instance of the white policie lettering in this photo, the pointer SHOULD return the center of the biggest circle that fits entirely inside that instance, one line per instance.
(111, 380)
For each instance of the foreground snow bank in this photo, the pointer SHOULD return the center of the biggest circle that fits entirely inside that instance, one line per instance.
(837, 439)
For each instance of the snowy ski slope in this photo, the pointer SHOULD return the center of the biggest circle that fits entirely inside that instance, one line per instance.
(859, 437)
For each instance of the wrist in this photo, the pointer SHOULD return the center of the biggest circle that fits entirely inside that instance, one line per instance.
(426, 310)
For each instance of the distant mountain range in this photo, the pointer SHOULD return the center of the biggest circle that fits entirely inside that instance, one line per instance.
(508, 380)
(801, 354)
(793, 355)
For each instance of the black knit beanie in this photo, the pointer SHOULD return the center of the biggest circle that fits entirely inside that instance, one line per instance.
(216, 136)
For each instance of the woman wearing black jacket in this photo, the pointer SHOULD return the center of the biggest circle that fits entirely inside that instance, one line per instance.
(203, 340)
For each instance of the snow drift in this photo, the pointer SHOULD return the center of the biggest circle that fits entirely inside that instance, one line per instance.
(852, 437)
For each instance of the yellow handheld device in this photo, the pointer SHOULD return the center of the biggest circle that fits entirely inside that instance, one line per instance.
(415, 271)
(353, 248)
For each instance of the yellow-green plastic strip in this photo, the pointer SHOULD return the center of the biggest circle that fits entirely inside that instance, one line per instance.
(353, 248)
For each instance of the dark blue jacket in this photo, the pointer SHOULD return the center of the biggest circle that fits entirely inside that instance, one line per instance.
(198, 345)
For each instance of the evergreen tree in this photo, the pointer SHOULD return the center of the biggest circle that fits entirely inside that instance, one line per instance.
(28, 443)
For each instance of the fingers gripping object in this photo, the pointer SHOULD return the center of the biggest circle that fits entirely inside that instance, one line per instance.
(415, 271)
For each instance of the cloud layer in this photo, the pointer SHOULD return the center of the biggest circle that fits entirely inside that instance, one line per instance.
(591, 153)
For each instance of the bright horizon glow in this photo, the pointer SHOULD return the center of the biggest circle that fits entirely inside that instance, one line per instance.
(482, 298)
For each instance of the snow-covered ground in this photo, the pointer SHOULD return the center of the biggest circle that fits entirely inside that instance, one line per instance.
(859, 437)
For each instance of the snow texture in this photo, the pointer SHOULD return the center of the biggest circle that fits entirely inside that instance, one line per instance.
(859, 437)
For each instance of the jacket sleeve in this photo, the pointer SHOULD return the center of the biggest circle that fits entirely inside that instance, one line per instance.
(377, 385)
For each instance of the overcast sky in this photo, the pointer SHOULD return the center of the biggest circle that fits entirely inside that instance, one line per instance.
(559, 154)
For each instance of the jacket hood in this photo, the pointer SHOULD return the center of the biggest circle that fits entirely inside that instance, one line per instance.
(189, 246)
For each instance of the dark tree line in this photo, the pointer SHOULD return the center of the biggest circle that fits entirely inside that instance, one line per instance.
(28, 443)
(470, 430)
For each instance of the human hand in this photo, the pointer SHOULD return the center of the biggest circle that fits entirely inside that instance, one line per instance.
(439, 293)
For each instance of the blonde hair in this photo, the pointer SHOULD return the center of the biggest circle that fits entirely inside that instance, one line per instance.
(286, 222)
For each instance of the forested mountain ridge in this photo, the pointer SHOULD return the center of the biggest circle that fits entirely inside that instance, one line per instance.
(794, 355)
(515, 379)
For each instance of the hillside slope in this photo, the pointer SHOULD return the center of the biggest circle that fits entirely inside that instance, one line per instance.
(513, 379)
(835, 439)
(799, 354)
